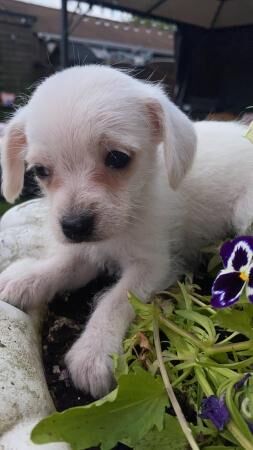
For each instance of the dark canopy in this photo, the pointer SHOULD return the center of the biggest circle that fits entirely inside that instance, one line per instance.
(213, 50)
(202, 13)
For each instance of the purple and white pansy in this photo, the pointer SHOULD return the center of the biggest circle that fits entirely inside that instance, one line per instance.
(237, 257)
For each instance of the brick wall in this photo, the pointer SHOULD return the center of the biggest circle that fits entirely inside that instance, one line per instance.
(17, 53)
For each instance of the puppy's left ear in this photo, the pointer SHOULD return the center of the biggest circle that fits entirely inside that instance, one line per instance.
(172, 127)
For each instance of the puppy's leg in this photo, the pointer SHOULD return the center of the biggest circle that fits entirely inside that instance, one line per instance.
(29, 282)
(89, 359)
(243, 212)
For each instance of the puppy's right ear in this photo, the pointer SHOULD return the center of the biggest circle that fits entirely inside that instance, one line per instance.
(14, 146)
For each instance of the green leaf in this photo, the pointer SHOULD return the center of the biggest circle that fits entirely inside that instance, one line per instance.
(120, 366)
(187, 297)
(144, 313)
(221, 447)
(183, 349)
(211, 249)
(171, 437)
(236, 414)
(248, 389)
(202, 320)
(214, 377)
(249, 133)
(214, 263)
(145, 310)
(235, 320)
(128, 413)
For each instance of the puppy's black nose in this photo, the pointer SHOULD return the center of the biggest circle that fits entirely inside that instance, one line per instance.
(78, 228)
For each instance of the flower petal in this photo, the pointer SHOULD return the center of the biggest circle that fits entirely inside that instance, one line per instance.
(227, 251)
(242, 381)
(241, 256)
(249, 289)
(214, 409)
(227, 288)
(250, 425)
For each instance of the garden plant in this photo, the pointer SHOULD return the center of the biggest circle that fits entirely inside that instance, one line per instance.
(185, 378)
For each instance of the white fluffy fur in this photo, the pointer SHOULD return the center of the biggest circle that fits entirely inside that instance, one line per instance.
(150, 220)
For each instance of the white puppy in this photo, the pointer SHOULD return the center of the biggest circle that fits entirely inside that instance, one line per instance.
(112, 155)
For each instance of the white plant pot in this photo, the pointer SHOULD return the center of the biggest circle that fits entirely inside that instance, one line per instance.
(24, 396)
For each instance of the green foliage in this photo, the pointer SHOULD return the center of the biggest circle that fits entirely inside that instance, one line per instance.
(241, 322)
(205, 352)
(171, 437)
(249, 133)
(129, 412)
(4, 207)
(221, 447)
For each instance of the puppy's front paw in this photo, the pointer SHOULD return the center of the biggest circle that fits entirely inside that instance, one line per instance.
(22, 286)
(90, 368)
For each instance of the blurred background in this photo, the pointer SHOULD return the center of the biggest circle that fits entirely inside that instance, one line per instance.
(202, 50)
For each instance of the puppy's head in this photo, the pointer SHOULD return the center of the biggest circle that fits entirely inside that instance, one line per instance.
(91, 134)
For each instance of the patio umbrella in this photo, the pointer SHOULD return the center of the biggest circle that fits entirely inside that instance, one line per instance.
(202, 13)
(213, 50)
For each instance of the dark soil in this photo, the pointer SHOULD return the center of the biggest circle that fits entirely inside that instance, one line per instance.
(65, 320)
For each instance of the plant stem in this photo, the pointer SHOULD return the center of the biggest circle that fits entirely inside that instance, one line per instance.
(182, 421)
(229, 338)
(219, 348)
(182, 377)
(172, 326)
(243, 441)
(201, 377)
(203, 305)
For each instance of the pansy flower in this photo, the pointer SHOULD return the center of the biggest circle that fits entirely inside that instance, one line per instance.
(237, 257)
(214, 409)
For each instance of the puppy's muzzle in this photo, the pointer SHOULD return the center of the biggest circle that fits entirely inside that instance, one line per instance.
(78, 228)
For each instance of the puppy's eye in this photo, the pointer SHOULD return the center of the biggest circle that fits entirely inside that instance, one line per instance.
(41, 172)
(117, 160)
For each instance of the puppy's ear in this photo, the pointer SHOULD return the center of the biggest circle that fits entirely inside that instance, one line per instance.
(176, 131)
(12, 156)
